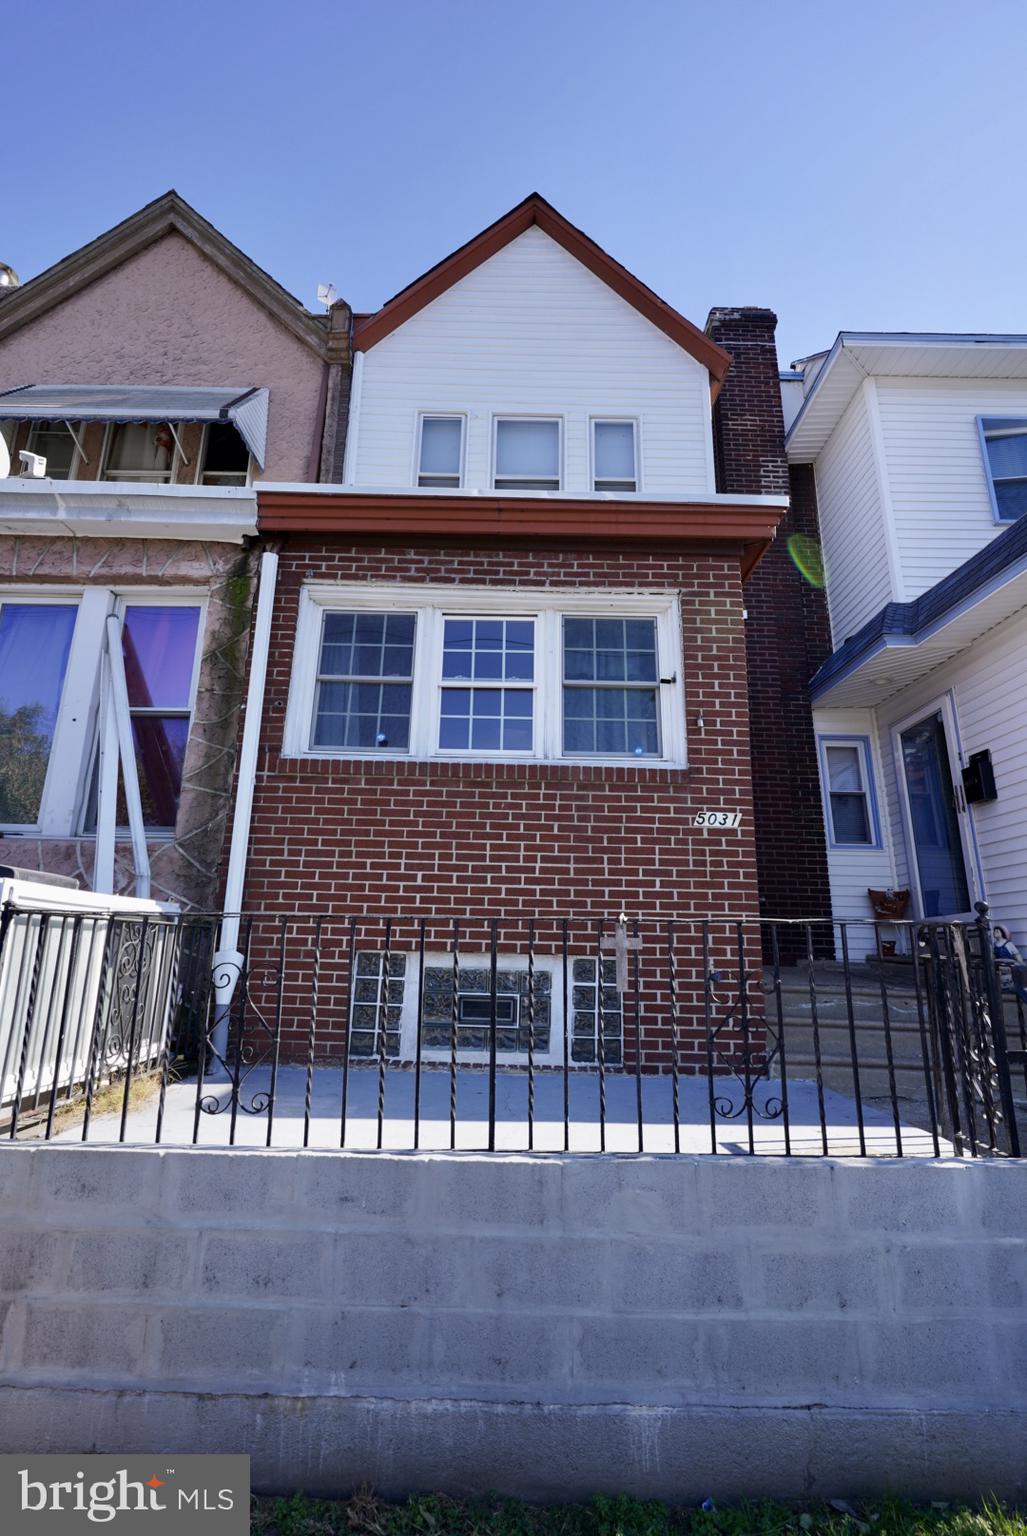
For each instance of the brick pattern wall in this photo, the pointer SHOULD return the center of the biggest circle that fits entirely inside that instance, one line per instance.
(510, 840)
(787, 630)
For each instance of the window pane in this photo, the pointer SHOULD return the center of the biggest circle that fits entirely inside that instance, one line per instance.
(160, 752)
(368, 645)
(440, 445)
(368, 716)
(226, 458)
(141, 449)
(851, 819)
(1007, 447)
(486, 720)
(619, 722)
(53, 440)
(843, 769)
(35, 639)
(1011, 496)
(159, 646)
(489, 650)
(610, 650)
(528, 448)
(614, 450)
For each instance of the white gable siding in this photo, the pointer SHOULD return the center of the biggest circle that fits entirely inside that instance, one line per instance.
(936, 475)
(988, 689)
(532, 331)
(852, 529)
(853, 871)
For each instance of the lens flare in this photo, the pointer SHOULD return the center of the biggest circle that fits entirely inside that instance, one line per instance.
(807, 557)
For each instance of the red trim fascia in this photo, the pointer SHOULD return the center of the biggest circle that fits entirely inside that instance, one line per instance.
(474, 519)
(370, 330)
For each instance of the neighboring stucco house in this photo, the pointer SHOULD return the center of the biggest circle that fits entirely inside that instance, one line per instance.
(157, 371)
(918, 444)
(507, 666)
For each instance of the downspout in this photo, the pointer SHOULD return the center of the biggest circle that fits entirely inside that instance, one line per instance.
(227, 962)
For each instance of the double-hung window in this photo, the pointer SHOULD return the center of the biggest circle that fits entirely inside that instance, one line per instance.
(225, 458)
(611, 685)
(848, 791)
(35, 643)
(440, 452)
(57, 443)
(428, 672)
(487, 690)
(527, 454)
(139, 451)
(614, 456)
(1005, 453)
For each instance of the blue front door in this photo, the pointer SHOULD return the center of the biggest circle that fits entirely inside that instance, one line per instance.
(934, 818)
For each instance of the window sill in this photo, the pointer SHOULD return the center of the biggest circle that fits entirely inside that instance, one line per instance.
(518, 769)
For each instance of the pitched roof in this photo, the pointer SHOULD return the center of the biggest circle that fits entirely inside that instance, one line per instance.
(167, 214)
(534, 210)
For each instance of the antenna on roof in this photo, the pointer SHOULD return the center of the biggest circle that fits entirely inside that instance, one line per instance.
(326, 294)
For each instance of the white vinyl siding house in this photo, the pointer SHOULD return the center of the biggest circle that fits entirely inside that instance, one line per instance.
(937, 476)
(852, 524)
(532, 333)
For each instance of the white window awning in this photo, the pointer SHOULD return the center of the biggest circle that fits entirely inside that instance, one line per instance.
(245, 409)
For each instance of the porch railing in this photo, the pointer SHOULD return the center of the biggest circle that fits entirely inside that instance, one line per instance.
(529, 1033)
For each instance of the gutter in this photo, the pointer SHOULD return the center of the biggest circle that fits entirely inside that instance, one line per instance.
(228, 961)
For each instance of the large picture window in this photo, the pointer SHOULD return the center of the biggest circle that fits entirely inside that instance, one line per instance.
(488, 673)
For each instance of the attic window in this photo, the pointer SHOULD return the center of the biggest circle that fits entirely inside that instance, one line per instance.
(1005, 452)
(614, 459)
(440, 452)
(139, 451)
(527, 454)
(56, 442)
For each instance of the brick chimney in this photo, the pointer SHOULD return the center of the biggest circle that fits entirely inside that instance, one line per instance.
(787, 634)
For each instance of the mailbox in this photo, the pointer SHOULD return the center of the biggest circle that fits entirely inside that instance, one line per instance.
(979, 779)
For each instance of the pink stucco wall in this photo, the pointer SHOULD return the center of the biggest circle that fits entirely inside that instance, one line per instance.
(169, 316)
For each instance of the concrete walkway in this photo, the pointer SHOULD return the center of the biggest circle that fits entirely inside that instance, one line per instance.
(472, 1097)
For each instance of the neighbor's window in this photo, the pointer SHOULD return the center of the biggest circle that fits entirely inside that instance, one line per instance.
(139, 451)
(1005, 449)
(614, 456)
(35, 639)
(611, 680)
(440, 451)
(226, 458)
(847, 782)
(55, 441)
(488, 668)
(527, 455)
(365, 682)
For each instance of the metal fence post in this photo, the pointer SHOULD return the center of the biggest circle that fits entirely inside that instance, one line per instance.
(998, 1026)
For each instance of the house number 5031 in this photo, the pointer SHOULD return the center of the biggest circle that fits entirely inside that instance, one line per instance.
(718, 818)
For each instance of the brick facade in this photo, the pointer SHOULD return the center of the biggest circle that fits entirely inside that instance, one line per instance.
(787, 631)
(516, 842)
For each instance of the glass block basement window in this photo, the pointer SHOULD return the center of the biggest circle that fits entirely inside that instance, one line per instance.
(377, 1003)
(471, 1010)
(586, 1012)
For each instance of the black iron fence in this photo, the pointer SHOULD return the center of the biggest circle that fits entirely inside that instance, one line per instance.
(523, 1033)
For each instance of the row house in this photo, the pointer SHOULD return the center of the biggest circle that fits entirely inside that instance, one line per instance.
(146, 381)
(506, 664)
(918, 447)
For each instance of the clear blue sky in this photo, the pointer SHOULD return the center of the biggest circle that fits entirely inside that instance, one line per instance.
(850, 163)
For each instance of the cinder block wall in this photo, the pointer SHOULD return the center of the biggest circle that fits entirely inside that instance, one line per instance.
(544, 1327)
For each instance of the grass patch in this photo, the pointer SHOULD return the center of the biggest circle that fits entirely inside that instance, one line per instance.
(436, 1515)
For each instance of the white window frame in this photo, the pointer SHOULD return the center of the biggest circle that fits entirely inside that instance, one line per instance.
(149, 598)
(422, 417)
(432, 605)
(1012, 424)
(868, 789)
(73, 749)
(202, 454)
(141, 476)
(78, 457)
(553, 419)
(615, 421)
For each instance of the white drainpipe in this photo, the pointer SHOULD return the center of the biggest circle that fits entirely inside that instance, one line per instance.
(228, 960)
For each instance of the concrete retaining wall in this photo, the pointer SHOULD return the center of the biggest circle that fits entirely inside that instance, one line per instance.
(546, 1327)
